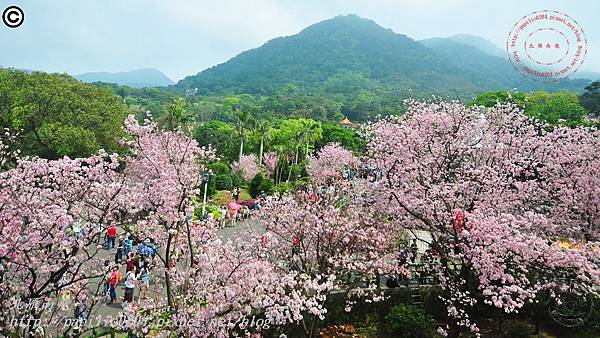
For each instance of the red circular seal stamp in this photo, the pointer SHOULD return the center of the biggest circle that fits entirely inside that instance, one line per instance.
(546, 46)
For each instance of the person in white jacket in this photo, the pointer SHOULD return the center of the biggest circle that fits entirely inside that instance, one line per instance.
(130, 282)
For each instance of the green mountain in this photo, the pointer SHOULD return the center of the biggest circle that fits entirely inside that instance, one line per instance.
(477, 42)
(349, 53)
(138, 78)
(474, 55)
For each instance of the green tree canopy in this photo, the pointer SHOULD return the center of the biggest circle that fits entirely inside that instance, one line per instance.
(348, 138)
(553, 108)
(177, 114)
(58, 115)
(590, 100)
(489, 99)
(219, 135)
(560, 108)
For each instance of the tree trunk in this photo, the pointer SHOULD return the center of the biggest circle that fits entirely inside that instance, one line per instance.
(241, 148)
(170, 298)
(277, 174)
(189, 236)
(260, 151)
(296, 156)
(290, 172)
(306, 150)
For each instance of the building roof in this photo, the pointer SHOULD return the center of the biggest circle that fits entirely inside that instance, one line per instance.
(346, 122)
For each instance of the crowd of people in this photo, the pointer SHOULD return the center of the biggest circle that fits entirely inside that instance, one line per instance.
(135, 258)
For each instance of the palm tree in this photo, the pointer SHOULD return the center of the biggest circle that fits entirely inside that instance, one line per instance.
(244, 121)
(311, 133)
(280, 150)
(263, 129)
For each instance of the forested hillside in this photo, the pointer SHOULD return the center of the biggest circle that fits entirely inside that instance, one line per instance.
(348, 54)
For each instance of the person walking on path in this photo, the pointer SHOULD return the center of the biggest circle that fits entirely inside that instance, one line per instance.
(80, 311)
(144, 279)
(130, 263)
(128, 244)
(414, 250)
(120, 250)
(232, 216)
(108, 270)
(111, 235)
(130, 285)
(223, 218)
(115, 278)
(143, 250)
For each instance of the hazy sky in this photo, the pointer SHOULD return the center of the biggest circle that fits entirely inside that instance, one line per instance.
(183, 37)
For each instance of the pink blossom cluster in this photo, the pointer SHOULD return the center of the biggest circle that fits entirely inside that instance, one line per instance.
(330, 162)
(336, 242)
(499, 194)
(51, 215)
(270, 162)
(247, 167)
(520, 189)
(9, 150)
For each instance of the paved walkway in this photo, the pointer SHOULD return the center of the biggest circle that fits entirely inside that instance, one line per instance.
(113, 310)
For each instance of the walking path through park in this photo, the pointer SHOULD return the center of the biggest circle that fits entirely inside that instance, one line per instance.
(113, 310)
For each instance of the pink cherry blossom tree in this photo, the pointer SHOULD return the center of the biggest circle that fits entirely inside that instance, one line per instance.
(330, 162)
(478, 183)
(210, 285)
(52, 214)
(336, 244)
(270, 162)
(575, 181)
(163, 173)
(247, 167)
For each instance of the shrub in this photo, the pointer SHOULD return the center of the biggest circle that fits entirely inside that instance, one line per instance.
(433, 304)
(369, 327)
(237, 180)
(254, 184)
(222, 197)
(210, 209)
(219, 168)
(259, 183)
(223, 182)
(248, 203)
(267, 185)
(593, 322)
(338, 331)
(244, 195)
(282, 188)
(409, 321)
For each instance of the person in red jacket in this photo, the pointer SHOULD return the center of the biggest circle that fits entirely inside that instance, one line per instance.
(114, 279)
(111, 234)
